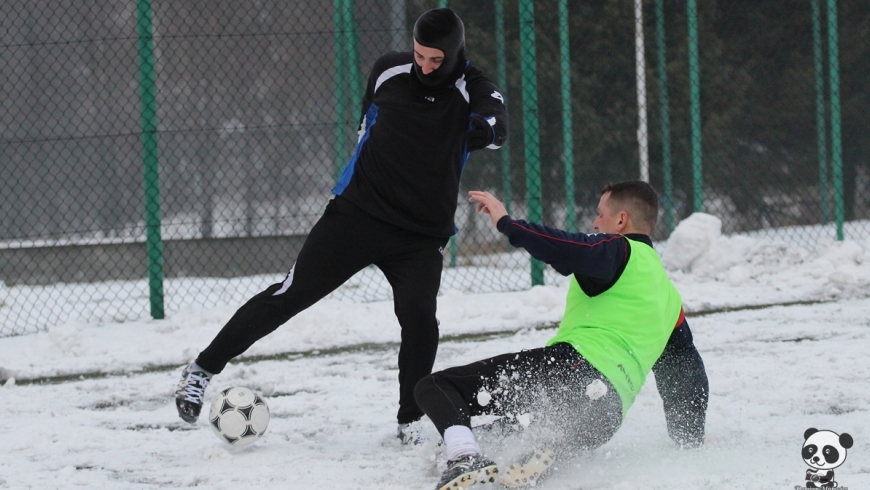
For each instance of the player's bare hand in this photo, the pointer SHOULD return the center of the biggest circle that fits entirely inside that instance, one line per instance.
(487, 203)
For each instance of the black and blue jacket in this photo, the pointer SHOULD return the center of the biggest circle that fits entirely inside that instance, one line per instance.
(413, 144)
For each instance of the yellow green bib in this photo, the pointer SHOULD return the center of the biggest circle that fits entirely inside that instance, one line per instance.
(623, 331)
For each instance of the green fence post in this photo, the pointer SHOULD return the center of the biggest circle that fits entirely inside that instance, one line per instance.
(695, 100)
(836, 143)
(821, 140)
(567, 125)
(665, 117)
(154, 245)
(452, 245)
(356, 81)
(340, 109)
(530, 123)
(501, 74)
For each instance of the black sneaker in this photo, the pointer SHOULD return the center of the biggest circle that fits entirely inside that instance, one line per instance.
(529, 470)
(188, 396)
(466, 471)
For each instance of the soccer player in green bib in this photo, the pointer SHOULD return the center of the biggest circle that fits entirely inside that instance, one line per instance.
(623, 317)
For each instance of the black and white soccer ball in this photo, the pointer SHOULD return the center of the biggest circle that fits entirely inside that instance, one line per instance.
(238, 416)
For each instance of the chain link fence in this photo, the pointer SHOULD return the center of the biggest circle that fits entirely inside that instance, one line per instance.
(165, 155)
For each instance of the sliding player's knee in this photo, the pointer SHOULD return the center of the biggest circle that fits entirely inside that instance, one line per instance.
(423, 389)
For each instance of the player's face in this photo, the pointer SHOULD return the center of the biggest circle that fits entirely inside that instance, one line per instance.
(429, 59)
(607, 220)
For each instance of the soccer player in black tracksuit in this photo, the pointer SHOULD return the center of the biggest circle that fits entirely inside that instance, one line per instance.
(423, 113)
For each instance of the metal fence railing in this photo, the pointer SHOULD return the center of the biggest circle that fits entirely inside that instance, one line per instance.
(156, 155)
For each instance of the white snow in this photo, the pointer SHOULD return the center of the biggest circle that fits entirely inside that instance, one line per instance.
(784, 330)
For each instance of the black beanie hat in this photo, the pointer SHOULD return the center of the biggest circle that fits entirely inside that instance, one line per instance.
(441, 29)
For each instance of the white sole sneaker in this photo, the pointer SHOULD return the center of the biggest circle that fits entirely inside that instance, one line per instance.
(529, 470)
(481, 471)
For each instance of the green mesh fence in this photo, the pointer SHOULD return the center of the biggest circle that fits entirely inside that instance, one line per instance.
(157, 156)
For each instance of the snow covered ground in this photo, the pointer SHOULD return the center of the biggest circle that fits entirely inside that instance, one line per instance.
(783, 330)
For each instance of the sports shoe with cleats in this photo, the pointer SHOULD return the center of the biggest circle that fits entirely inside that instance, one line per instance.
(466, 471)
(529, 470)
(411, 434)
(191, 388)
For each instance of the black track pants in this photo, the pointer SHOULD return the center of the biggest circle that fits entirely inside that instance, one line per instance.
(344, 241)
(570, 400)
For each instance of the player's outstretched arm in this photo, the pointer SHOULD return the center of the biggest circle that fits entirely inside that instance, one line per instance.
(600, 257)
(487, 203)
(682, 382)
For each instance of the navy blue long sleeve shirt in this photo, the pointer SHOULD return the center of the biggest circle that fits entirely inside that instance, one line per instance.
(596, 261)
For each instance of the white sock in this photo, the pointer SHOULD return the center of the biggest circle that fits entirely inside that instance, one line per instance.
(196, 367)
(460, 442)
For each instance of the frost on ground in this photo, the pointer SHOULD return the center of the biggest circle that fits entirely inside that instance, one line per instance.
(332, 418)
(330, 379)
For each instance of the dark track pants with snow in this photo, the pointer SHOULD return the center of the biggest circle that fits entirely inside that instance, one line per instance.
(344, 241)
(568, 397)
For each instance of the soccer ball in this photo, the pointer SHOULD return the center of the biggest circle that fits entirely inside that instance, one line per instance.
(238, 416)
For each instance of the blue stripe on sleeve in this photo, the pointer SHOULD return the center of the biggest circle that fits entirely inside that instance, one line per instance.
(344, 180)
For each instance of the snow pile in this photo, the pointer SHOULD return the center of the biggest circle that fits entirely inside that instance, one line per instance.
(690, 240)
(754, 271)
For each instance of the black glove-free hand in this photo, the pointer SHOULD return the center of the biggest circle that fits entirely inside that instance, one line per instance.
(480, 133)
